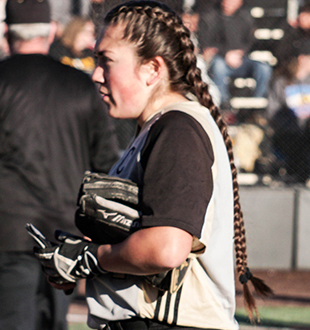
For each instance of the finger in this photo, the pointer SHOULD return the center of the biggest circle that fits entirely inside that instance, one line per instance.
(61, 236)
(39, 238)
(65, 287)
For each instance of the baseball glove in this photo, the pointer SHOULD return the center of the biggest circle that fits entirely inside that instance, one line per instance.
(107, 210)
(108, 214)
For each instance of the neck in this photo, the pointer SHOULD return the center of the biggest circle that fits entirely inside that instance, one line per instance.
(158, 104)
(33, 46)
(229, 13)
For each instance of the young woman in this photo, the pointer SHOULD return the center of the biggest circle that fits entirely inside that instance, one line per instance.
(182, 161)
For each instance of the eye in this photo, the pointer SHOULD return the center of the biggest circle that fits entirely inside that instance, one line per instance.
(103, 61)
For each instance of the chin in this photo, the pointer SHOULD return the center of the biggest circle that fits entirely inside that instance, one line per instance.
(117, 114)
(114, 114)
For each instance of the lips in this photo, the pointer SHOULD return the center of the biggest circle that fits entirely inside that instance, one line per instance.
(104, 94)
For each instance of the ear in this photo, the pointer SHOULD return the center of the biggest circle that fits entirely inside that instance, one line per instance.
(154, 70)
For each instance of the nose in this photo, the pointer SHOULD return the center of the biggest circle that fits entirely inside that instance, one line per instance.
(97, 76)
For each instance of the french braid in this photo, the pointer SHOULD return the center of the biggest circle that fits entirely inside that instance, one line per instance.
(158, 31)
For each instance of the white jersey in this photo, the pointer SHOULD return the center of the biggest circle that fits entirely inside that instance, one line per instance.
(206, 298)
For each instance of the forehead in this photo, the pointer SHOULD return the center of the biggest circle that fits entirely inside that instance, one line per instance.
(110, 37)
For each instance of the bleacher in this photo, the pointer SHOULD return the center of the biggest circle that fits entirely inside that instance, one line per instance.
(271, 19)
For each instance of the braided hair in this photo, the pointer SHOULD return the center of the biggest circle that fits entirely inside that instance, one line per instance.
(157, 31)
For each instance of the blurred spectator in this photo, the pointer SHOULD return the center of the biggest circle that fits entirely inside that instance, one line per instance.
(175, 5)
(53, 127)
(190, 18)
(97, 13)
(213, 89)
(289, 113)
(3, 44)
(63, 11)
(294, 37)
(225, 35)
(75, 47)
(306, 145)
(2, 16)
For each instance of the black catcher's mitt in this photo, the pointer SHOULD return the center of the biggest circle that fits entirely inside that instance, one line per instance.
(107, 208)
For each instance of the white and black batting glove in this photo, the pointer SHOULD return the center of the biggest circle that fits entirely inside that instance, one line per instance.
(44, 243)
(72, 260)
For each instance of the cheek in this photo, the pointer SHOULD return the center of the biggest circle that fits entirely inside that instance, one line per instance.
(126, 100)
(127, 89)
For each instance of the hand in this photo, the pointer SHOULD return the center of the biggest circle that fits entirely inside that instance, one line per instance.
(209, 53)
(49, 270)
(52, 275)
(66, 287)
(234, 58)
(73, 260)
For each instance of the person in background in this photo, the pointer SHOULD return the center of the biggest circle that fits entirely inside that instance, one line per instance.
(226, 36)
(3, 43)
(288, 112)
(63, 11)
(190, 18)
(294, 37)
(53, 127)
(306, 144)
(177, 270)
(76, 45)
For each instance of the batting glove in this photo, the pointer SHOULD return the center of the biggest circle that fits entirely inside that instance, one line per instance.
(72, 260)
(44, 243)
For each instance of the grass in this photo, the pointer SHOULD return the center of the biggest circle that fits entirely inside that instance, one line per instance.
(78, 326)
(279, 316)
(270, 316)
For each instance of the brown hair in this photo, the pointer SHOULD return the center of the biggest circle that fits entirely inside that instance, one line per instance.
(158, 31)
(71, 31)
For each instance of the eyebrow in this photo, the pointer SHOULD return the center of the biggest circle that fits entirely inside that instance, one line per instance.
(102, 52)
(99, 53)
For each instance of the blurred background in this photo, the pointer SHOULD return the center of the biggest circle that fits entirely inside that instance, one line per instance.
(255, 56)
(270, 128)
(266, 105)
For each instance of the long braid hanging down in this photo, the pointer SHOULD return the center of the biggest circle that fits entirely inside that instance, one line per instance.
(200, 89)
(146, 20)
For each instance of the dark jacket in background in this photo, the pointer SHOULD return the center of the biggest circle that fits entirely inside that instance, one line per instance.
(290, 45)
(226, 32)
(53, 127)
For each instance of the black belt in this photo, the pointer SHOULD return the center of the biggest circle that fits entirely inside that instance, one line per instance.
(144, 324)
(131, 324)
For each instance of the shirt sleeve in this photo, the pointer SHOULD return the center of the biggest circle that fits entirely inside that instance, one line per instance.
(177, 160)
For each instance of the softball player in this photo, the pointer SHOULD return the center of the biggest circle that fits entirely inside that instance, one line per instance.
(181, 159)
